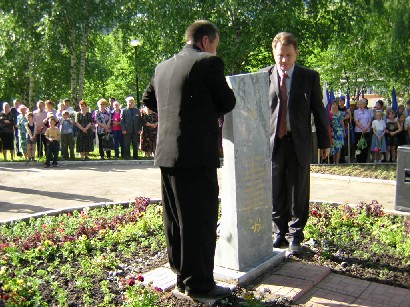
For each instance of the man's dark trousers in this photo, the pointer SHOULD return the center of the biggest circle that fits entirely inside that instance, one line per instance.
(133, 138)
(290, 196)
(190, 203)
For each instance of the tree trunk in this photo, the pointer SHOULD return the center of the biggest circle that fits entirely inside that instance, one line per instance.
(31, 91)
(73, 64)
(84, 44)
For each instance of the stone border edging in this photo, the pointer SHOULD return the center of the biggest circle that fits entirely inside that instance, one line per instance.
(72, 209)
(322, 202)
(353, 179)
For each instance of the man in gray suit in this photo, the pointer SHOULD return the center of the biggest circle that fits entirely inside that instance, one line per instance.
(131, 125)
(189, 92)
(294, 94)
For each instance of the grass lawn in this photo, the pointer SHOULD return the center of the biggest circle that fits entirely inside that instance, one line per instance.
(376, 171)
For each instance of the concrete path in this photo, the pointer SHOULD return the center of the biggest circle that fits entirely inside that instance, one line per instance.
(29, 188)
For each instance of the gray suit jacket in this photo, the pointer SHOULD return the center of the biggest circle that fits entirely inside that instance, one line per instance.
(129, 123)
(189, 92)
(305, 98)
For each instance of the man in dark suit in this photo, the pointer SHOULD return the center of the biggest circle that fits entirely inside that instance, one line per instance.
(131, 125)
(294, 94)
(189, 92)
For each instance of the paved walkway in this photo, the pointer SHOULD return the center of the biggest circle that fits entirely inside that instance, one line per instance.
(29, 189)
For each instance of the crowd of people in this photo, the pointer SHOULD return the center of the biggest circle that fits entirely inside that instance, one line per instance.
(361, 134)
(358, 133)
(61, 132)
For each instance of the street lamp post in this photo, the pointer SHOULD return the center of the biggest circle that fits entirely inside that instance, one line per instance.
(135, 43)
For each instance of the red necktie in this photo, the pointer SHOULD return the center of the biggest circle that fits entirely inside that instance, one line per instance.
(283, 106)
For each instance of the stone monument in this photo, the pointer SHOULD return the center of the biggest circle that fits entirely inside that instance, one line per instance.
(244, 248)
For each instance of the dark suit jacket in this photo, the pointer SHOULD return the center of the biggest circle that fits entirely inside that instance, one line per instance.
(129, 123)
(305, 97)
(189, 92)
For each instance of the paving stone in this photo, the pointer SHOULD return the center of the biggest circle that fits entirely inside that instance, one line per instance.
(161, 277)
(326, 298)
(304, 271)
(206, 301)
(344, 285)
(385, 295)
(288, 287)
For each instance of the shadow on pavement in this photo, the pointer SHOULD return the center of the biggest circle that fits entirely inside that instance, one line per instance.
(56, 195)
(21, 208)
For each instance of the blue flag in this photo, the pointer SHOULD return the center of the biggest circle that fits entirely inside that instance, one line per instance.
(332, 95)
(394, 103)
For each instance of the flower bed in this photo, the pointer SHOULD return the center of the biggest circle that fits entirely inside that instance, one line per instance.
(98, 257)
(93, 257)
(362, 242)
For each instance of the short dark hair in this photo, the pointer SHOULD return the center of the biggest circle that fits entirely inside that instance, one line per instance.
(285, 38)
(200, 28)
(380, 102)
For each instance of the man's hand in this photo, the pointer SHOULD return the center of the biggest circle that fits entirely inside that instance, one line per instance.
(324, 153)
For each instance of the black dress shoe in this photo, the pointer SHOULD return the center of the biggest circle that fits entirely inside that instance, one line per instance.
(217, 293)
(180, 284)
(295, 248)
(279, 241)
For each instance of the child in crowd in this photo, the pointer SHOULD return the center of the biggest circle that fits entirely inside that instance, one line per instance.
(67, 136)
(31, 136)
(378, 141)
(392, 129)
(53, 136)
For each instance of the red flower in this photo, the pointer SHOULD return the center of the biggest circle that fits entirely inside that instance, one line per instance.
(140, 278)
(44, 226)
(131, 282)
(158, 289)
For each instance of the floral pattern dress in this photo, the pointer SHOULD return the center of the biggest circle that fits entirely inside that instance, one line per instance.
(149, 134)
(21, 122)
(337, 133)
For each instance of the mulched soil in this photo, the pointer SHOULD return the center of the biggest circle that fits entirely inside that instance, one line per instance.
(388, 271)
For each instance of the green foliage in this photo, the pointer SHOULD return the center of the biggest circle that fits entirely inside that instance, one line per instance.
(363, 231)
(365, 41)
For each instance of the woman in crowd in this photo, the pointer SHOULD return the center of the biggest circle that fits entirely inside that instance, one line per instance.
(116, 130)
(30, 129)
(39, 116)
(378, 140)
(338, 131)
(21, 122)
(401, 136)
(102, 121)
(393, 129)
(48, 104)
(363, 121)
(59, 113)
(149, 132)
(7, 131)
(84, 123)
